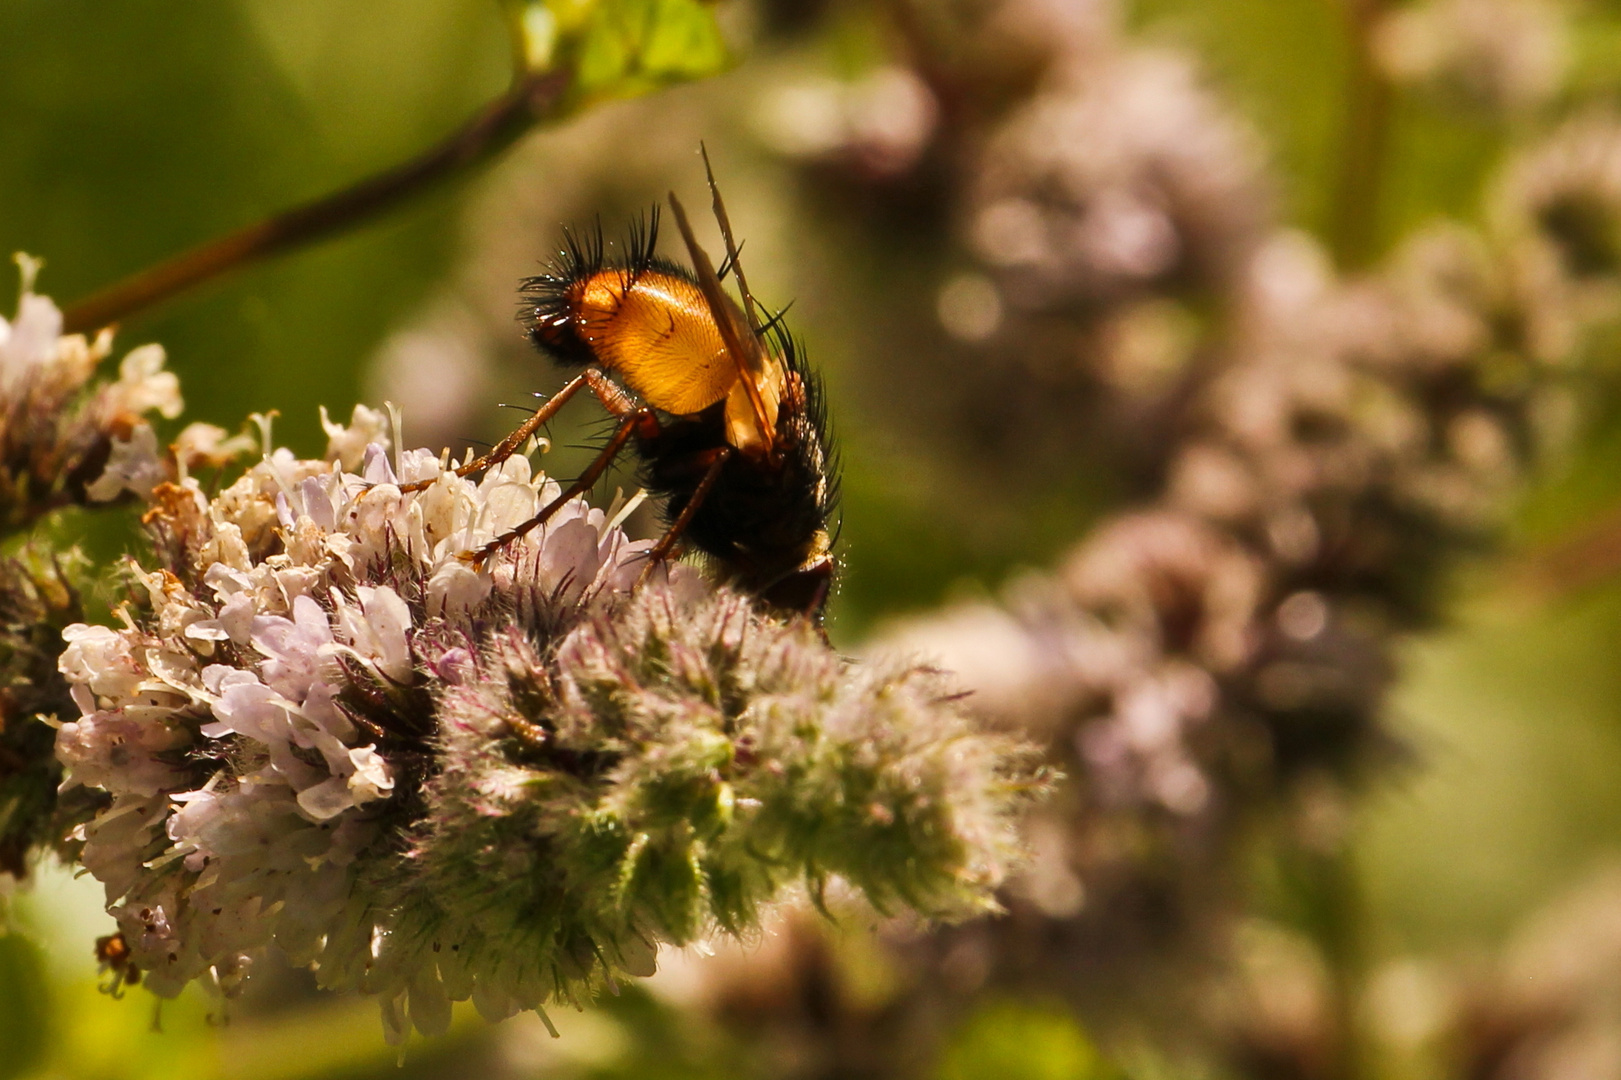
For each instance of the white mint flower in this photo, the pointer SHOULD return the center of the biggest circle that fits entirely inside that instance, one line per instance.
(431, 779)
(346, 444)
(63, 440)
(134, 466)
(237, 727)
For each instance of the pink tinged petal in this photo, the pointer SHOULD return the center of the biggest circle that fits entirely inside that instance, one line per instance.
(251, 709)
(220, 677)
(143, 385)
(297, 581)
(83, 698)
(453, 666)
(377, 469)
(387, 618)
(236, 617)
(119, 753)
(312, 619)
(574, 509)
(456, 589)
(346, 443)
(349, 839)
(629, 560)
(293, 770)
(372, 778)
(134, 465)
(307, 736)
(207, 630)
(686, 584)
(327, 799)
(317, 501)
(226, 581)
(508, 504)
(33, 335)
(321, 708)
(99, 657)
(568, 563)
(293, 647)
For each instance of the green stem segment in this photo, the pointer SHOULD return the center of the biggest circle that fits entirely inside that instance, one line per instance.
(1339, 935)
(1322, 893)
(532, 98)
(1354, 218)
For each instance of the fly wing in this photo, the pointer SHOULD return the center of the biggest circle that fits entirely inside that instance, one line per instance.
(741, 344)
(718, 205)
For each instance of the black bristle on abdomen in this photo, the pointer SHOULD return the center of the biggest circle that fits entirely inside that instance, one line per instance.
(763, 519)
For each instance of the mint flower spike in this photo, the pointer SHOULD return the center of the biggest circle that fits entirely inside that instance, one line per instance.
(72, 433)
(673, 767)
(320, 727)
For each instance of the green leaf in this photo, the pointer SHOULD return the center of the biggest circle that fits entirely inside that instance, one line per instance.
(620, 48)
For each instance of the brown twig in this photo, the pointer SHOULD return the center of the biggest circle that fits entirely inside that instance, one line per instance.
(494, 128)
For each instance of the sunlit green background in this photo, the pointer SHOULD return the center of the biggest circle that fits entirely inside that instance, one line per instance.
(130, 129)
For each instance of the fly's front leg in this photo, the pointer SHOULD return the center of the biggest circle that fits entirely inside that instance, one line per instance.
(509, 445)
(639, 420)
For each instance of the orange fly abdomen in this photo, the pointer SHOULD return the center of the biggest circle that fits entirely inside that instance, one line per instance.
(654, 331)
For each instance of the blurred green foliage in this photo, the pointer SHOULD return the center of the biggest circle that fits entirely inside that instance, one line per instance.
(1024, 1039)
(627, 47)
(25, 1017)
(1517, 715)
(139, 128)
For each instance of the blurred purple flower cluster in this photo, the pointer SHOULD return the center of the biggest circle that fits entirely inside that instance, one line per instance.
(1313, 451)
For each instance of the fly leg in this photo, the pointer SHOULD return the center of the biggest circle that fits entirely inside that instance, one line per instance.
(634, 419)
(713, 460)
(509, 445)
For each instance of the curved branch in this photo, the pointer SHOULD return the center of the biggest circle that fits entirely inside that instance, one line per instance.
(484, 136)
